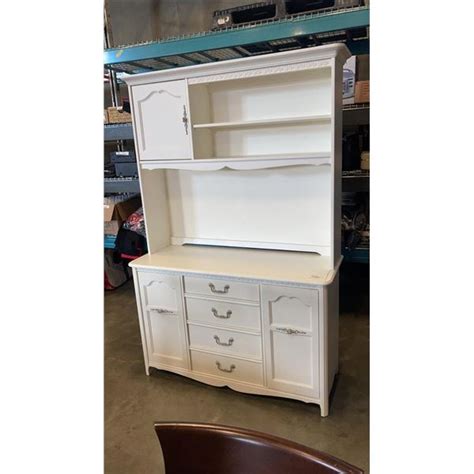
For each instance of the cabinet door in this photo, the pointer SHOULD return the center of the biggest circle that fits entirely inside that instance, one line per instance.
(163, 319)
(291, 332)
(160, 113)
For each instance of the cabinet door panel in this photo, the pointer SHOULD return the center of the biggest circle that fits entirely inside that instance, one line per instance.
(163, 319)
(160, 113)
(291, 332)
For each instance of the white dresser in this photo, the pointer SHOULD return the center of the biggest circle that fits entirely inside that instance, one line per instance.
(240, 173)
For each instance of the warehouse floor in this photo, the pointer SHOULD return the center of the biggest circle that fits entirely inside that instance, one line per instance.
(134, 401)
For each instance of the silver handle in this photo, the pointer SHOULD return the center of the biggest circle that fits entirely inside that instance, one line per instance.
(293, 332)
(222, 292)
(229, 370)
(163, 311)
(185, 119)
(221, 316)
(229, 343)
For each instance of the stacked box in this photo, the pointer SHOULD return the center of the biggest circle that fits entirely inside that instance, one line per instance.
(117, 115)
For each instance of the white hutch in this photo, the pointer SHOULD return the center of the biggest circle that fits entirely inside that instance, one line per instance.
(240, 174)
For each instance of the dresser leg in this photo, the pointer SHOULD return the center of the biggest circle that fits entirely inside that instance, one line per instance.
(147, 370)
(324, 409)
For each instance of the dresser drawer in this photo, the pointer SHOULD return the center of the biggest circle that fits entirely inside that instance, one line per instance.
(221, 288)
(228, 367)
(223, 313)
(225, 342)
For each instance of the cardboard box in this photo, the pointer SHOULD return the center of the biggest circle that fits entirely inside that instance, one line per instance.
(362, 92)
(116, 211)
(348, 80)
(112, 227)
(363, 67)
(117, 115)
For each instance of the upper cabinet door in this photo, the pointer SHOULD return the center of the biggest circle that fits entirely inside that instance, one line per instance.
(161, 120)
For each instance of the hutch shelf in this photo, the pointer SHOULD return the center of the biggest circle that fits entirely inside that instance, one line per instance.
(240, 176)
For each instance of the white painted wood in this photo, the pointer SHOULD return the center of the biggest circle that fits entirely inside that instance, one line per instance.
(158, 112)
(224, 341)
(258, 141)
(321, 250)
(227, 367)
(223, 313)
(282, 208)
(271, 96)
(260, 72)
(291, 328)
(155, 207)
(163, 317)
(332, 305)
(200, 112)
(336, 182)
(141, 322)
(243, 163)
(262, 115)
(236, 385)
(221, 288)
(300, 268)
(268, 121)
(258, 171)
(265, 65)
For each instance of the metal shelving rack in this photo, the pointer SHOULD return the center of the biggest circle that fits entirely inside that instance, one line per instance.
(121, 185)
(118, 131)
(349, 25)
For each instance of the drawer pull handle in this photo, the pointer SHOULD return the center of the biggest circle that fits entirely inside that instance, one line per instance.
(221, 292)
(185, 119)
(218, 341)
(163, 311)
(229, 370)
(292, 332)
(221, 316)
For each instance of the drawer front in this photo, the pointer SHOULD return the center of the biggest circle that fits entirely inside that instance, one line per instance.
(228, 367)
(223, 313)
(221, 288)
(225, 342)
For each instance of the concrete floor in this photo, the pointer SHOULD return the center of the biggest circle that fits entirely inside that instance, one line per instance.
(134, 401)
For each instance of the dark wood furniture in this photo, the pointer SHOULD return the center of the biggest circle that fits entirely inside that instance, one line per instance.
(195, 448)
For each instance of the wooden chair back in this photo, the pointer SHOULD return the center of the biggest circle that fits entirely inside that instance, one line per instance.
(195, 448)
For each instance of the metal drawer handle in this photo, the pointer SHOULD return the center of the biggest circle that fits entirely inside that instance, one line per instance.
(229, 343)
(222, 292)
(221, 316)
(163, 311)
(229, 370)
(185, 119)
(293, 332)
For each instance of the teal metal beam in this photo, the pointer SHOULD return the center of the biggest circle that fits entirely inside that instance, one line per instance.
(287, 28)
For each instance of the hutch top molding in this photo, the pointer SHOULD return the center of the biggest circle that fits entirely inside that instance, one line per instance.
(287, 60)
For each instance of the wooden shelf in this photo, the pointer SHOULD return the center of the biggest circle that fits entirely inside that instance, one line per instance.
(243, 163)
(266, 122)
(271, 265)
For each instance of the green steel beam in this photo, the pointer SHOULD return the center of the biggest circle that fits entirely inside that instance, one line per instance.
(298, 26)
